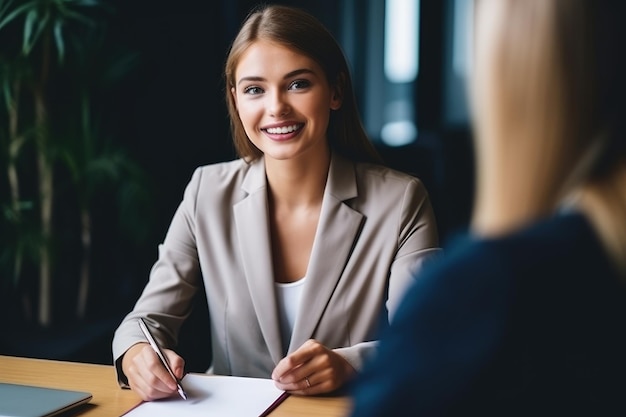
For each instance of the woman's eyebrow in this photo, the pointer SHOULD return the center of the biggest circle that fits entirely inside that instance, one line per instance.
(288, 75)
(298, 72)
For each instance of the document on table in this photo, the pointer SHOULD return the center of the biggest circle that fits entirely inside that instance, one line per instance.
(223, 396)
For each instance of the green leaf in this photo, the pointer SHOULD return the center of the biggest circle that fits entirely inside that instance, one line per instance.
(58, 39)
(29, 22)
(30, 39)
(7, 92)
(16, 146)
(4, 6)
(15, 13)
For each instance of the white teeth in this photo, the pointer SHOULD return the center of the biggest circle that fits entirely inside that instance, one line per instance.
(282, 130)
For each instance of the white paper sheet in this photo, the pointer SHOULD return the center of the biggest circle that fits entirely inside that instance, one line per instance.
(207, 395)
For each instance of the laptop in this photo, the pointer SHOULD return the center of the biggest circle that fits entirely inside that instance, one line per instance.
(30, 401)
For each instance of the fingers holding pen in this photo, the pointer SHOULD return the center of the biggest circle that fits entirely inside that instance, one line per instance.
(177, 364)
(147, 376)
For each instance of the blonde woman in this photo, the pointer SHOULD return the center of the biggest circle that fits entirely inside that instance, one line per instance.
(302, 245)
(527, 314)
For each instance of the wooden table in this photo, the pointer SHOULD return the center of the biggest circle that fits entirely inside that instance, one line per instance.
(110, 400)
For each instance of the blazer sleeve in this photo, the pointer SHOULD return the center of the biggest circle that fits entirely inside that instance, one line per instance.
(417, 246)
(418, 243)
(166, 300)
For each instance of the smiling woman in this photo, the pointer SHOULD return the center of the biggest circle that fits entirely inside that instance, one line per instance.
(283, 100)
(301, 244)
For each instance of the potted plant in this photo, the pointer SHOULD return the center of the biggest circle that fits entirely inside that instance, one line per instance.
(45, 44)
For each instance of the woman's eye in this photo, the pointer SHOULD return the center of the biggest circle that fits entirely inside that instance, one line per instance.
(252, 90)
(299, 84)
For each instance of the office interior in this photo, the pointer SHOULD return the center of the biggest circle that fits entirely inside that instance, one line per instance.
(135, 102)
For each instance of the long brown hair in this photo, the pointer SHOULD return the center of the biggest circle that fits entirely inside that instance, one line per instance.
(297, 29)
(548, 100)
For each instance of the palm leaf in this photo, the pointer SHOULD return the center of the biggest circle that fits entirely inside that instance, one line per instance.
(58, 38)
(30, 37)
(15, 13)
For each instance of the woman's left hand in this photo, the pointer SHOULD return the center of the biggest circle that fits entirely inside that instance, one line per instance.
(312, 369)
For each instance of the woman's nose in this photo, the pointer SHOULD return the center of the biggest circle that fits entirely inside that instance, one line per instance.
(278, 105)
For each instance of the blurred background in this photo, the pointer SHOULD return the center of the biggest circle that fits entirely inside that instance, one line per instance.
(108, 106)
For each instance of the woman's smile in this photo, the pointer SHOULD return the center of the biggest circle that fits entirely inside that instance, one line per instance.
(283, 131)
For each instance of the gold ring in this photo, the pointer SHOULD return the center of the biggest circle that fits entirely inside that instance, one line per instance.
(308, 383)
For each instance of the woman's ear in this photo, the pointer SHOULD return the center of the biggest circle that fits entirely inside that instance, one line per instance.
(234, 94)
(337, 97)
(335, 101)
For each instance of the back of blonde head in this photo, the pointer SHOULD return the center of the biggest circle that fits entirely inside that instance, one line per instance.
(547, 91)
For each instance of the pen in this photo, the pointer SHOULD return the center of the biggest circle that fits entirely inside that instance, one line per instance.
(161, 356)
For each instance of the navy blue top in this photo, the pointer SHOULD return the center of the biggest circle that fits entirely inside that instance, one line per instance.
(529, 324)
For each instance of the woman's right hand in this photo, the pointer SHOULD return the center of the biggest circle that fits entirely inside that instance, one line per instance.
(147, 376)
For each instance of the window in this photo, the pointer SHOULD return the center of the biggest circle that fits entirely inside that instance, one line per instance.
(381, 41)
(401, 64)
(458, 61)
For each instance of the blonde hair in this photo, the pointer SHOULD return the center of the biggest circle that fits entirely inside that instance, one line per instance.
(298, 30)
(546, 96)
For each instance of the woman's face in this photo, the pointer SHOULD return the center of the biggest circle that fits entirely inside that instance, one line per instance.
(284, 101)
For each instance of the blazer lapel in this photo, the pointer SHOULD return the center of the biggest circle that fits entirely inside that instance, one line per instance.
(337, 231)
(252, 222)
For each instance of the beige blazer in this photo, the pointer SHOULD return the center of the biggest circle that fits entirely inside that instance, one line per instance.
(376, 228)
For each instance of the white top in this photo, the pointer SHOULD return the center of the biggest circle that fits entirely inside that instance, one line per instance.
(288, 299)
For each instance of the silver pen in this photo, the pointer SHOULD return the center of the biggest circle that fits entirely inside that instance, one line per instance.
(159, 352)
